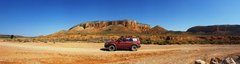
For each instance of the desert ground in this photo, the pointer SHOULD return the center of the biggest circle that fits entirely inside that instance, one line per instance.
(94, 53)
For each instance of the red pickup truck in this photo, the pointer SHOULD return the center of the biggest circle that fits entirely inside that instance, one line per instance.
(130, 43)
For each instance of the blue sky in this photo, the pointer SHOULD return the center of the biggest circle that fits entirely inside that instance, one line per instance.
(43, 17)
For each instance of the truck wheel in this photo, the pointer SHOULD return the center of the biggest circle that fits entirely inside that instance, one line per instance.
(111, 48)
(133, 48)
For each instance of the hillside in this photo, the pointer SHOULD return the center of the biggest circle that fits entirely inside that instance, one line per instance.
(113, 27)
(101, 31)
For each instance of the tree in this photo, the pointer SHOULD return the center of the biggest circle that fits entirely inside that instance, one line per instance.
(12, 36)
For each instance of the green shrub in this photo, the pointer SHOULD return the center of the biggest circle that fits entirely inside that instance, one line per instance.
(161, 42)
(147, 41)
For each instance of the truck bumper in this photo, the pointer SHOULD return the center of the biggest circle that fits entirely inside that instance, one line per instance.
(106, 46)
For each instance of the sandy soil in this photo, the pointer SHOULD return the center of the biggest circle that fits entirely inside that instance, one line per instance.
(91, 53)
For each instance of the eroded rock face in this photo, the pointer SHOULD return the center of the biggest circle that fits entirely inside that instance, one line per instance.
(130, 24)
(78, 28)
(217, 29)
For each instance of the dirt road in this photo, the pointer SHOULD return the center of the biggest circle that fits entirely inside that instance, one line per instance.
(85, 53)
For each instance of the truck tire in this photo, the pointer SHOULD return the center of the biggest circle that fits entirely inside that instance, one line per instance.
(111, 48)
(133, 48)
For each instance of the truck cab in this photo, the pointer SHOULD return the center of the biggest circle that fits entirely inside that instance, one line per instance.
(131, 43)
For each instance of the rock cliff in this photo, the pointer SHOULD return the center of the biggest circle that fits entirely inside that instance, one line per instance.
(115, 26)
(102, 24)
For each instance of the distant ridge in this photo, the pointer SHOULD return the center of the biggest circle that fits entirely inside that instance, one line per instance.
(216, 29)
(8, 36)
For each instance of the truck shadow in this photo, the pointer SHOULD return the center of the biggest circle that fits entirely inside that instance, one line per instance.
(105, 49)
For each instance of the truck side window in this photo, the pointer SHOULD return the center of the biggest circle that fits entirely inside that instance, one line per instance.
(127, 39)
(131, 39)
(135, 39)
(120, 39)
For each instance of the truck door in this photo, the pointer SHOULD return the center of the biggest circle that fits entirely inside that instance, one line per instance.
(125, 44)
